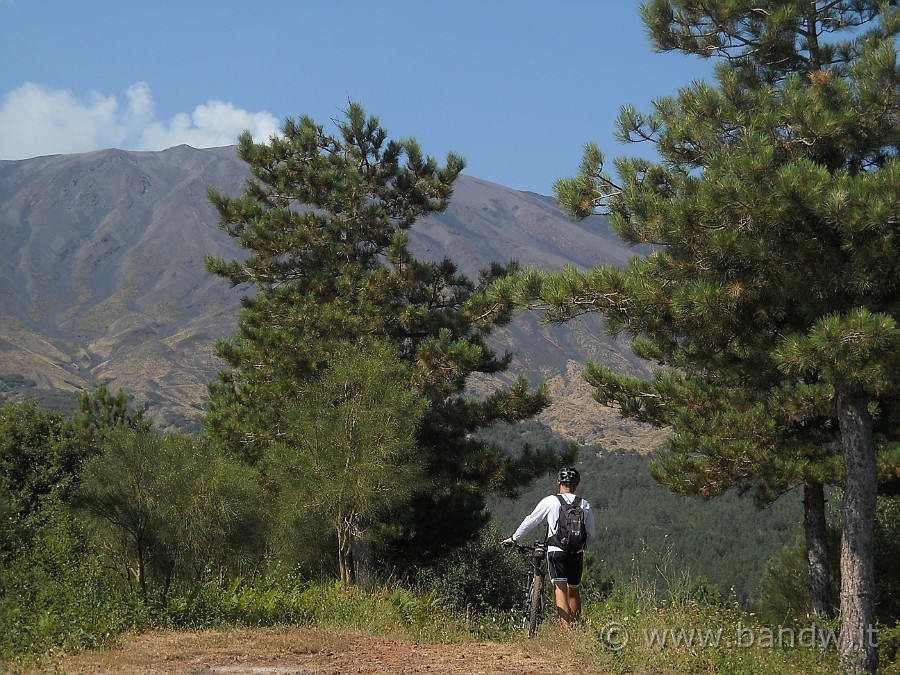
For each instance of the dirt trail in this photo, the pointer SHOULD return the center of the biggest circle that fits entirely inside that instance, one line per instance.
(302, 651)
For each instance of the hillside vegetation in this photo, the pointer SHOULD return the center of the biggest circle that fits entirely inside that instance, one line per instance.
(657, 592)
(647, 531)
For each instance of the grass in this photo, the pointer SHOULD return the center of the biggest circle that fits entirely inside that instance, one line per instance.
(690, 636)
(627, 631)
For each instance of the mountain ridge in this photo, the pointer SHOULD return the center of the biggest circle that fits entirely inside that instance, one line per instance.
(104, 280)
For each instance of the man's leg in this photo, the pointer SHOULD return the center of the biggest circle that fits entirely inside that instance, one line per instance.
(575, 602)
(561, 591)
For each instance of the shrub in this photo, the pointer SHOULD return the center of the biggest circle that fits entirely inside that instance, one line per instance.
(172, 506)
(784, 589)
(54, 593)
(481, 577)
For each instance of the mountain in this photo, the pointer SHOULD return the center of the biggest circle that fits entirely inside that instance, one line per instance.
(103, 280)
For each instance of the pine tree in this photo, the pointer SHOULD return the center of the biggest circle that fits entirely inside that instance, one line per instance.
(773, 293)
(325, 220)
(728, 433)
(100, 411)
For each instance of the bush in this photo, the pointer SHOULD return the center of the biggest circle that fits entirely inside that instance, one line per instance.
(37, 456)
(784, 590)
(481, 577)
(888, 644)
(265, 601)
(54, 593)
(171, 506)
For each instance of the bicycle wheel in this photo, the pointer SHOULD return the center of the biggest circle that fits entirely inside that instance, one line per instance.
(526, 602)
(534, 605)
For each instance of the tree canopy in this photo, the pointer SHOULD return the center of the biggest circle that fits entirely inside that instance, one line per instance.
(771, 292)
(349, 451)
(325, 222)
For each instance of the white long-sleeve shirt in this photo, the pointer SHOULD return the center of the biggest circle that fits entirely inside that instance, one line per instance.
(548, 509)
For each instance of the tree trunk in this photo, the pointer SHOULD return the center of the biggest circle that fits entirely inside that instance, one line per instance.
(142, 569)
(858, 641)
(817, 549)
(169, 578)
(345, 563)
(362, 554)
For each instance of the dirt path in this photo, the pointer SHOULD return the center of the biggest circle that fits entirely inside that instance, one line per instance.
(303, 651)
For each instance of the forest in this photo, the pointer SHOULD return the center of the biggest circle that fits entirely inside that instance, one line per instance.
(644, 527)
(341, 442)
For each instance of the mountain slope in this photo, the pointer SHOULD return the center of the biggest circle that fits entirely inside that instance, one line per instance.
(103, 280)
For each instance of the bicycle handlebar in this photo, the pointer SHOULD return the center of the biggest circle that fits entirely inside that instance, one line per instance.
(525, 548)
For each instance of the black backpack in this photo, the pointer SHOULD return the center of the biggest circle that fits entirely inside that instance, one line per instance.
(570, 534)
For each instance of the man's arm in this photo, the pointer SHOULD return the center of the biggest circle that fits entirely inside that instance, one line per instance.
(535, 517)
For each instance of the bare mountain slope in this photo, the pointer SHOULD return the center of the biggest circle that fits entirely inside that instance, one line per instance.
(102, 278)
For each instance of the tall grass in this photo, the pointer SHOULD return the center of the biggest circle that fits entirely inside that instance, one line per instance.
(671, 624)
(388, 609)
(629, 632)
(662, 619)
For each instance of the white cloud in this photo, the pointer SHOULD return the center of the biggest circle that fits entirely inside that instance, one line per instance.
(35, 120)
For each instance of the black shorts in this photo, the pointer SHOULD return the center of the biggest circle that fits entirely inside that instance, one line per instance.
(565, 567)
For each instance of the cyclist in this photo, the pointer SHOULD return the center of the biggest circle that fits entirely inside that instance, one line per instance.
(565, 568)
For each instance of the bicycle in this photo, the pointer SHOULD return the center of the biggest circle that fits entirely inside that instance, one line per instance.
(533, 601)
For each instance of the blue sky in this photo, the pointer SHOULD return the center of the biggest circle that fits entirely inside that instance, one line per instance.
(515, 87)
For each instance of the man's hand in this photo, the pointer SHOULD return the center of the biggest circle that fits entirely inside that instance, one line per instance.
(508, 543)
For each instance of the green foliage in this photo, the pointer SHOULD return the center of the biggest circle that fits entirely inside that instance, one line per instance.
(889, 644)
(55, 594)
(415, 609)
(477, 579)
(526, 445)
(762, 44)
(783, 593)
(290, 599)
(37, 457)
(170, 506)
(632, 632)
(887, 553)
(784, 589)
(348, 447)
(291, 537)
(858, 347)
(238, 601)
(324, 221)
(661, 577)
(100, 410)
(643, 527)
(774, 208)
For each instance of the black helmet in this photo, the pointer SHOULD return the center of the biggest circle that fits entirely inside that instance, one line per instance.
(568, 475)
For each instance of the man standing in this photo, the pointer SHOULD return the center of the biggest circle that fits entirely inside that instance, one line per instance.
(565, 564)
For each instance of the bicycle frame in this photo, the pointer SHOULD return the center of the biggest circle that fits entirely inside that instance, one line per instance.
(533, 594)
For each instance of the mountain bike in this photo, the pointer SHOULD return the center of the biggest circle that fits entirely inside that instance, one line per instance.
(533, 601)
